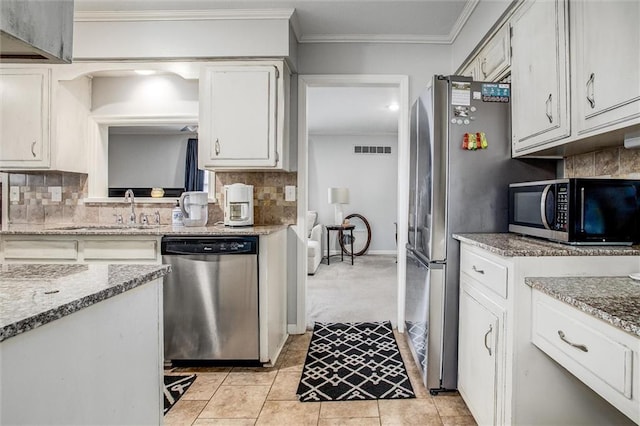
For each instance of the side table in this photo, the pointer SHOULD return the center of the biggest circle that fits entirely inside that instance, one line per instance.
(340, 229)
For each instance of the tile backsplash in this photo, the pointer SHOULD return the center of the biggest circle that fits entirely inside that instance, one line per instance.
(37, 207)
(613, 162)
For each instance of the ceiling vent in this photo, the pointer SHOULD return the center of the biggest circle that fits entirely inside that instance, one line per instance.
(36, 31)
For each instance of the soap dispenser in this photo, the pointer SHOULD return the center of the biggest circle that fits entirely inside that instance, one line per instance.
(176, 215)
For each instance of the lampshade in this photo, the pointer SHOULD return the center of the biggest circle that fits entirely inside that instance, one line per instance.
(338, 195)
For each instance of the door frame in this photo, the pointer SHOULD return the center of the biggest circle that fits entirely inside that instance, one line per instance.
(401, 82)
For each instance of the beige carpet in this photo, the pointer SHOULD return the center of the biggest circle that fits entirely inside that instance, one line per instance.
(366, 291)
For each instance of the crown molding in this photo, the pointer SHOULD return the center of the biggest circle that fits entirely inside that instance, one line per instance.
(294, 22)
(375, 38)
(468, 9)
(336, 133)
(182, 15)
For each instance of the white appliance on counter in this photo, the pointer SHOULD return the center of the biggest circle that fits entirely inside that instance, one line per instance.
(238, 205)
(195, 208)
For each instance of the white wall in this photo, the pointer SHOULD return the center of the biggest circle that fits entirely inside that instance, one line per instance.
(372, 180)
(147, 161)
(165, 94)
(208, 37)
(480, 22)
(418, 61)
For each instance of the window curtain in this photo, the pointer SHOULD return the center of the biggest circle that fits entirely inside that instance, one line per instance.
(193, 177)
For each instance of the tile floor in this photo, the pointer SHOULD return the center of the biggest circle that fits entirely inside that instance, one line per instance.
(267, 396)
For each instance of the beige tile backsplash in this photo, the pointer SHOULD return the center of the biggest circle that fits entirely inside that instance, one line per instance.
(613, 162)
(36, 207)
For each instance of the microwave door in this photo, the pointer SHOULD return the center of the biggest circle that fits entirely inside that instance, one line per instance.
(606, 213)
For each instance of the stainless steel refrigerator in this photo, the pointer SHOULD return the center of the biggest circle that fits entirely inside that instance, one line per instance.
(454, 188)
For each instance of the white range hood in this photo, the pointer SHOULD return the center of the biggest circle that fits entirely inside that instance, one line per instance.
(36, 31)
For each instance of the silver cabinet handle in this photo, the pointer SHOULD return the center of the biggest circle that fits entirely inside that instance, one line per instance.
(217, 146)
(480, 271)
(33, 151)
(583, 348)
(548, 109)
(485, 338)
(482, 65)
(591, 96)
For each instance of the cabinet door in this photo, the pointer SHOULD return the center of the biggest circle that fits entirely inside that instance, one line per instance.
(495, 58)
(478, 355)
(607, 68)
(473, 70)
(540, 77)
(24, 114)
(238, 116)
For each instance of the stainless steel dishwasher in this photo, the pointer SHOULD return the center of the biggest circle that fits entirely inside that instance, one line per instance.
(211, 298)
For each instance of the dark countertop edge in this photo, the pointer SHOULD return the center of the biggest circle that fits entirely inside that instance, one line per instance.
(547, 248)
(590, 310)
(63, 310)
(155, 231)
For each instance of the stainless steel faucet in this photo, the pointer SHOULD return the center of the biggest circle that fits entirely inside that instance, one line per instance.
(128, 196)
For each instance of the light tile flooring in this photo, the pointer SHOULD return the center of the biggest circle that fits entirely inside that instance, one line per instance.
(267, 396)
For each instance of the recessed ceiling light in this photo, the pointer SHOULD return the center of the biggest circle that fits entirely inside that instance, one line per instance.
(393, 107)
(145, 72)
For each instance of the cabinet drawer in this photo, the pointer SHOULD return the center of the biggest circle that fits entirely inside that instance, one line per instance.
(563, 333)
(33, 249)
(120, 250)
(489, 273)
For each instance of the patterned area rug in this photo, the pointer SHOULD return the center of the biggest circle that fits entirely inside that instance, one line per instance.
(353, 361)
(174, 388)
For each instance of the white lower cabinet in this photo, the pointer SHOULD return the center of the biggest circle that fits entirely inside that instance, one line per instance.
(504, 376)
(597, 353)
(480, 352)
(80, 248)
(99, 365)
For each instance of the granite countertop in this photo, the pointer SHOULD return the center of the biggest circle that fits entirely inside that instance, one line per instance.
(32, 295)
(513, 245)
(159, 230)
(615, 300)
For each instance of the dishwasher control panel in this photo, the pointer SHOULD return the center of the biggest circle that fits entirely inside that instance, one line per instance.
(209, 245)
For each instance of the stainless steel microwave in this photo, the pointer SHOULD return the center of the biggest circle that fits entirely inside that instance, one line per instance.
(577, 210)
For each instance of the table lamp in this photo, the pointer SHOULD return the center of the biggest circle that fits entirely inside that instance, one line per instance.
(338, 197)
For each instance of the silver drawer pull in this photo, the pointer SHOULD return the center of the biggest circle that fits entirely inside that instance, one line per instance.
(480, 271)
(485, 338)
(583, 348)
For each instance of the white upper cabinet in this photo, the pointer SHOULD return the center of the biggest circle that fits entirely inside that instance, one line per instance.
(44, 121)
(24, 118)
(607, 63)
(493, 60)
(540, 75)
(242, 116)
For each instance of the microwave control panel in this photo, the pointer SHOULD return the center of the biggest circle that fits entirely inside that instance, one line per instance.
(562, 206)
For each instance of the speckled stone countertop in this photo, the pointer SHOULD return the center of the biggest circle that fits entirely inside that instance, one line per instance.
(102, 229)
(513, 245)
(32, 295)
(615, 300)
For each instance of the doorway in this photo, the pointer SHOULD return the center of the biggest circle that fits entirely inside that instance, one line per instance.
(307, 85)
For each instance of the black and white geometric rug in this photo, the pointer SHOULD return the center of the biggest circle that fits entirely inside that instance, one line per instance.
(353, 361)
(174, 388)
